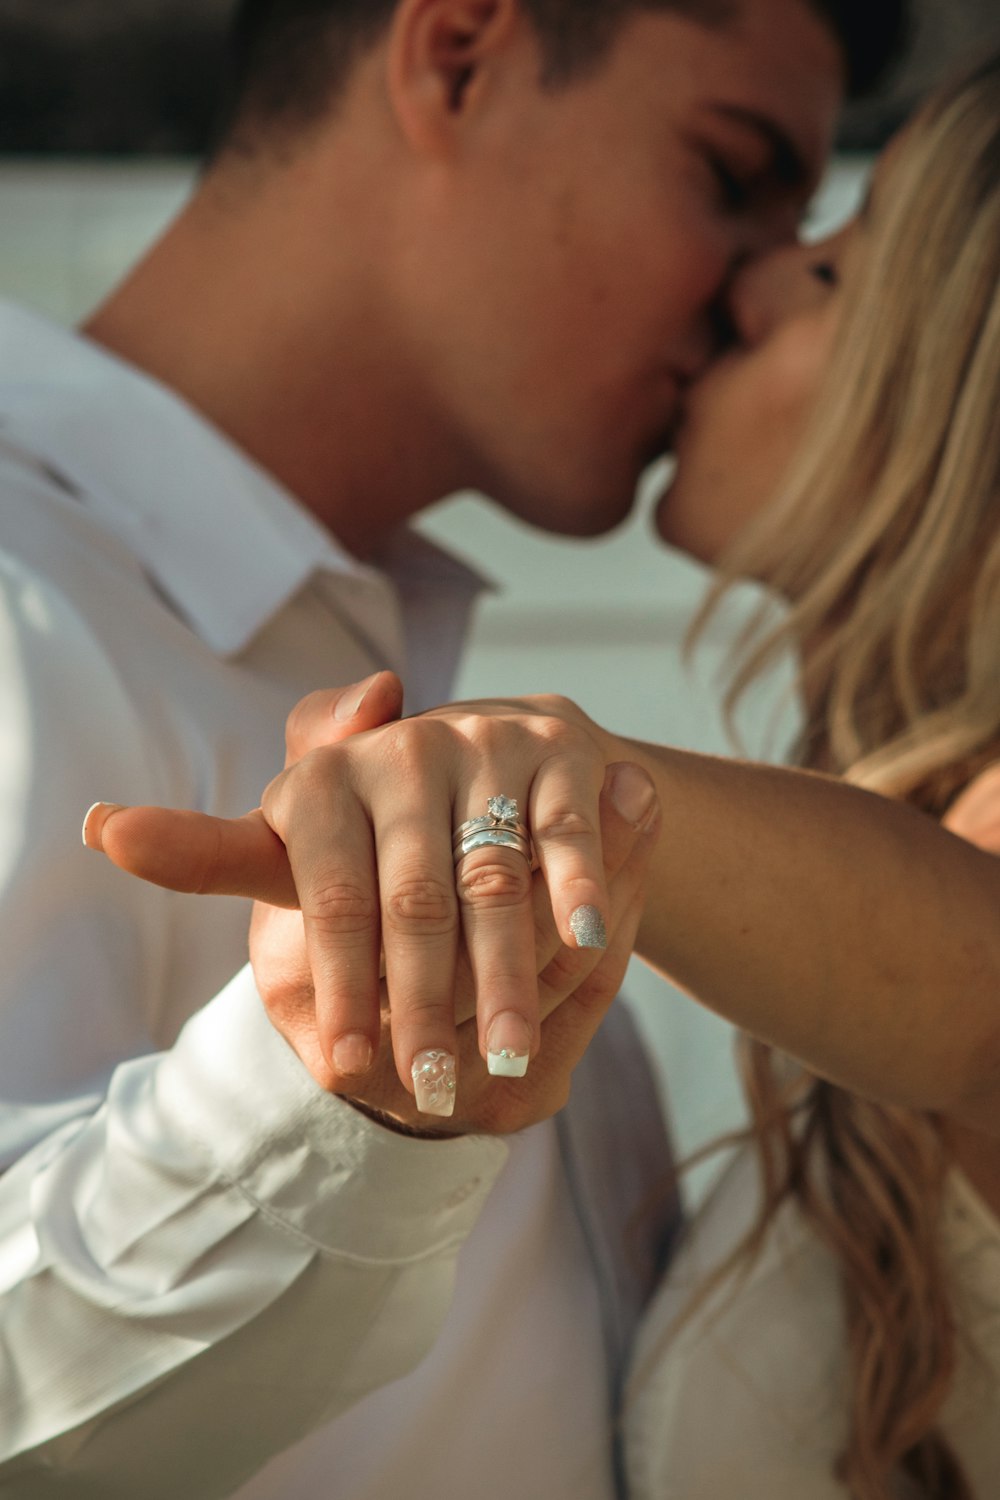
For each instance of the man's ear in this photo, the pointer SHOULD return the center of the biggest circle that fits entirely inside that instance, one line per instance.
(440, 57)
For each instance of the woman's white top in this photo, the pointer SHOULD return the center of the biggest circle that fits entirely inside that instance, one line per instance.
(747, 1398)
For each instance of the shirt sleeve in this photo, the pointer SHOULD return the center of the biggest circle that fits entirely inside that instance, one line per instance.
(217, 1197)
(202, 1255)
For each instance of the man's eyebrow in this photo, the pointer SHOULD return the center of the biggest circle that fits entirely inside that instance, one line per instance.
(788, 164)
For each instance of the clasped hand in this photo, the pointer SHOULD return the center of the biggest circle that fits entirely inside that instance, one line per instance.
(372, 948)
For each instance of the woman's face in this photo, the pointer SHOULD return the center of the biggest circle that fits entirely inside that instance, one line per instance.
(742, 421)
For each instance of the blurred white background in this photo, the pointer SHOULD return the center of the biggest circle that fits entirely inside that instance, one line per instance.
(602, 622)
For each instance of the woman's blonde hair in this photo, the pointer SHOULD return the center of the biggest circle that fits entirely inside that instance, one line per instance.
(885, 540)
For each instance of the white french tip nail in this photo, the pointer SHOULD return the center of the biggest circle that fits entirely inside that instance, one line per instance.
(506, 1064)
(93, 824)
(508, 1045)
(434, 1083)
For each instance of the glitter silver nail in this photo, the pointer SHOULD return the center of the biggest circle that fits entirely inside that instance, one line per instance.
(588, 928)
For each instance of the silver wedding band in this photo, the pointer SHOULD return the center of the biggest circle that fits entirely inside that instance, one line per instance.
(498, 838)
(500, 827)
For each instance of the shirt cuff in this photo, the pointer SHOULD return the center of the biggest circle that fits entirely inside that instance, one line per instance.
(341, 1182)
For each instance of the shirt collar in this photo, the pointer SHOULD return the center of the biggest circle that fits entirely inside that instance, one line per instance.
(222, 540)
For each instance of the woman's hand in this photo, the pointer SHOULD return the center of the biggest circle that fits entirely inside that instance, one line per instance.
(367, 825)
(573, 994)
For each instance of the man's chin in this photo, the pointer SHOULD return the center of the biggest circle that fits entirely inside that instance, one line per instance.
(595, 505)
(606, 511)
(580, 523)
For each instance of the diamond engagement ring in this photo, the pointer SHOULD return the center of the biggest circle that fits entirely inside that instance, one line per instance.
(500, 827)
(501, 812)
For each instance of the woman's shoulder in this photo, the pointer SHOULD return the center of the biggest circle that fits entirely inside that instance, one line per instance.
(744, 1381)
(751, 1374)
(794, 1273)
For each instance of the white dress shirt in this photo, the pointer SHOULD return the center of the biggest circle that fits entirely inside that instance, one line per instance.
(203, 1258)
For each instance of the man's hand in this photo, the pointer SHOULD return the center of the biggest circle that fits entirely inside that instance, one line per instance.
(193, 852)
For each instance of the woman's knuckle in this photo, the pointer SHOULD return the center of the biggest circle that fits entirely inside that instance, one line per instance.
(309, 781)
(430, 1014)
(489, 737)
(342, 907)
(418, 902)
(494, 883)
(564, 823)
(555, 734)
(548, 704)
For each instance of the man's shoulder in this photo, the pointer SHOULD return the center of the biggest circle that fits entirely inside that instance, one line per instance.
(47, 534)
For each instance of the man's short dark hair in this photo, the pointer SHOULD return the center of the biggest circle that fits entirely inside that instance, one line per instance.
(291, 57)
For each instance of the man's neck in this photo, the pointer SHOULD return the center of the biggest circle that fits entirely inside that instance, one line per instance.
(312, 389)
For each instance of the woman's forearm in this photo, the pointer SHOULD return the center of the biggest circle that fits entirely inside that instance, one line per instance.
(850, 931)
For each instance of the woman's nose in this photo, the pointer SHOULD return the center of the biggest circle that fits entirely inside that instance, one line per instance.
(769, 289)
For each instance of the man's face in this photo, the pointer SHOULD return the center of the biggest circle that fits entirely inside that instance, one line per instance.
(577, 279)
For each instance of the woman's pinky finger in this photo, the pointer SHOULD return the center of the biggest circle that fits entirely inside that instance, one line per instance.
(566, 824)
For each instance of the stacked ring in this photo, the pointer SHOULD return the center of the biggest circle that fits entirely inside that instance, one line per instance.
(500, 828)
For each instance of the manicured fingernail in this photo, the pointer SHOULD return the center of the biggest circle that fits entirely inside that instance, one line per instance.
(587, 926)
(93, 823)
(349, 704)
(632, 792)
(352, 1054)
(508, 1046)
(433, 1076)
